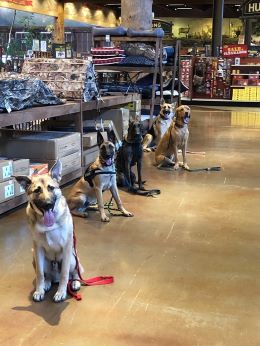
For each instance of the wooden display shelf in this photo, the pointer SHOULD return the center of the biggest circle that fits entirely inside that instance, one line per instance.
(38, 113)
(110, 101)
(244, 86)
(128, 39)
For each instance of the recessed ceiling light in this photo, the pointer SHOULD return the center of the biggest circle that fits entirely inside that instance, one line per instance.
(184, 8)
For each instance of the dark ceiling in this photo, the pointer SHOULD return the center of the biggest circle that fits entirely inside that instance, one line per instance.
(179, 8)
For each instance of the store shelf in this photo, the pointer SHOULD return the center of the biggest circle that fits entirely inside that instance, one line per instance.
(247, 66)
(244, 86)
(127, 38)
(245, 74)
(110, 101)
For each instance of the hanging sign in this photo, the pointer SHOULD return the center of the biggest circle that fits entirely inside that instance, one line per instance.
(166, 26)
(20, 2)
(251, 8)
(235, 51)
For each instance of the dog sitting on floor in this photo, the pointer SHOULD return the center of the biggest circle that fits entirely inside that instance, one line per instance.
(176, 137)
(99, 176)
(51, 226)
(129, 155)
(160, 125)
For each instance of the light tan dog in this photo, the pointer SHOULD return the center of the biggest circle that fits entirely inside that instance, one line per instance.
(51, 225)
(176, 137)
(160, 125)
(100, 176)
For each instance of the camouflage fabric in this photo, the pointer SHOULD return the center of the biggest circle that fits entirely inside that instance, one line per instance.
(18, 92)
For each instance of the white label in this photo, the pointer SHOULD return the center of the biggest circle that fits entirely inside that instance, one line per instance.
(107, 38)
(7, 171)
(9, 190)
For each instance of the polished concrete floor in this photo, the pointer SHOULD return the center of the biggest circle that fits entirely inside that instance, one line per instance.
(186, 267)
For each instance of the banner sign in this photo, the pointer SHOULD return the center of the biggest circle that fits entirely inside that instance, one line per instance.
(235, 51)
(166, 26)
(20, 2)
(251, 8)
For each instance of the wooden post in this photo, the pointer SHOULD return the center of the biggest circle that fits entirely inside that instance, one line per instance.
(137, 14)
(59, 23)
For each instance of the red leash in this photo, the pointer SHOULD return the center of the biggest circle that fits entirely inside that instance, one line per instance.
(98, 280)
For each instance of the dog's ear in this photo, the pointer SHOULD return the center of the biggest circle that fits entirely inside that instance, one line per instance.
(55, 171)
(162, 102)
(111, 136)
(23, 180)
(100, 138)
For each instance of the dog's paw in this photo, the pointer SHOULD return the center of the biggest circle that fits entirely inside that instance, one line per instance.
(75, 285)
(47, 285)
(60, 296)
(105, 218)
(38, 296)
(176, 166)
(185, 166)
(127, 213)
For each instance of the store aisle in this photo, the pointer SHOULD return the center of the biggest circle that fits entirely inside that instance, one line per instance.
(186, 267)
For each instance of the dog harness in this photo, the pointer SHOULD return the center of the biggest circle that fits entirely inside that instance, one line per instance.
(90, 174)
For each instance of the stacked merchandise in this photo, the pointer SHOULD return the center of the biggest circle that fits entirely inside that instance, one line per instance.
(186, 70)
(246, 94)
(212, 78)
(44, 147)
(107, 55)
(9, 188)
(20, 91)
(67, 78)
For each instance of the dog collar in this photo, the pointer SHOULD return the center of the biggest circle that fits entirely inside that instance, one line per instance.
(179, 126)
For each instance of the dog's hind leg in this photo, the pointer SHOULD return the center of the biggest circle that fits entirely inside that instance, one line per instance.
(78, 206)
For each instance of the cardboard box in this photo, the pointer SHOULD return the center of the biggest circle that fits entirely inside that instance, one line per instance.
(21, 166)
(6, 169)
(7, 190)
(90, 155)
(38, 168)
(120, 118)
(18, 189)
(90, 139)
(70, 163)
(46, 145)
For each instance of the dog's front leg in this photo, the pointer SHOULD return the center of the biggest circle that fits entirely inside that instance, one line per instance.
(139, 172)
(61, 293)
(39, 257)
(128, 175)
(184, 150)
(115, 194)
(101, 208)
(175, 152)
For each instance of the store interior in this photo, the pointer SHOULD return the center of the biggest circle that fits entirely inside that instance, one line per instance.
(177, 263)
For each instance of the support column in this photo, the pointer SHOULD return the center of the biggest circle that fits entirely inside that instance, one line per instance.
(218, 10)
(58, 36)
(248, 31)
(137, 14)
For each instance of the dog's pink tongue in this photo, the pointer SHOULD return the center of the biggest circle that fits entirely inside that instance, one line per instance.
(48, 218)
(109, 162)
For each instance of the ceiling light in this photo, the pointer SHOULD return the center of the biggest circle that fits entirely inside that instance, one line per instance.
(184, 8)
(174, 5)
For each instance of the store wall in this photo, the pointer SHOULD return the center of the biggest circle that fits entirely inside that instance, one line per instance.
(202, 27)
(77, 12)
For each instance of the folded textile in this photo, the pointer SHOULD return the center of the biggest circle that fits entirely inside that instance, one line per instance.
(137, 61)
(118, 31)
(107, 60)
(19, 92)
(107, 51)
(158, 32)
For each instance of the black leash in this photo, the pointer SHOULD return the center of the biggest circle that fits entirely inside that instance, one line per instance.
(206, 169)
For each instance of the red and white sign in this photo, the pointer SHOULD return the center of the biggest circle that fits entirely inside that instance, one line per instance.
(235, 51)
(20, 2)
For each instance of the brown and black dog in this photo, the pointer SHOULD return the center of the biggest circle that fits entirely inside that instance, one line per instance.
(176, 137)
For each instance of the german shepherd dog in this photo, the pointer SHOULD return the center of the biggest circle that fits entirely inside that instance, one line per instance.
(129, 155)
(51, 225)
(160, 125)
(99, 176)
(176, 137)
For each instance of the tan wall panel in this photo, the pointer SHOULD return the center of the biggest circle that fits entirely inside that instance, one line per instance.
(47, 7)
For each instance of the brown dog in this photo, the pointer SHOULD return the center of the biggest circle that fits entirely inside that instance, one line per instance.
(176, 137)
(51, 225)
(160, 125)
(100, 176)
